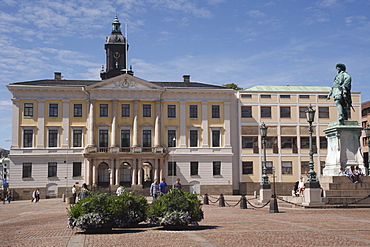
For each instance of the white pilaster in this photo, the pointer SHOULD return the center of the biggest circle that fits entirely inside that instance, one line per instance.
(40, 123)
(65, 123)
(227, 120)
(182, 125)
(114, 124)
(15, 123)
(205, 124)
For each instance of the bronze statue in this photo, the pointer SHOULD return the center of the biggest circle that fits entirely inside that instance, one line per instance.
(341, 91)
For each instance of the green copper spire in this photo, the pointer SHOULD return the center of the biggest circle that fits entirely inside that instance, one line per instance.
(116, 25)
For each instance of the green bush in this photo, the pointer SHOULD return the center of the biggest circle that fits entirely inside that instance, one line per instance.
(175, 208)
(101, 210)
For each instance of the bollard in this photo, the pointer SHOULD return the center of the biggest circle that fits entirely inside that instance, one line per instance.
(205, 200)
(63, 198)
(221, 202)
(243, 202)
(255, 194)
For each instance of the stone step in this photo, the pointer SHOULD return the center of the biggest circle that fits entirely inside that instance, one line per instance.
(346, 186)
(341, 179)
(344, 200)
(346, 193)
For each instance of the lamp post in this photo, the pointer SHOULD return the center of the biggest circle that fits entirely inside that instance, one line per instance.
(173, 163)
(67, 168)
(109, 172)
(265, 179)
(311, 176)
(367, 133)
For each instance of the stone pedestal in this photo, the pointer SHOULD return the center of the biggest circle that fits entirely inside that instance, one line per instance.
(344, 147)
(312, 195)
(265, 194)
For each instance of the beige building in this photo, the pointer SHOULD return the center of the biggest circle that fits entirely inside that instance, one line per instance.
(365, 121)
(282, 109)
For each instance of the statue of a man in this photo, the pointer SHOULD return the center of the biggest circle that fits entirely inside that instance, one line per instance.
(341, 92)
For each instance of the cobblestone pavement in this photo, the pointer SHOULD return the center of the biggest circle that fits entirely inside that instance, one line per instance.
(23, 223)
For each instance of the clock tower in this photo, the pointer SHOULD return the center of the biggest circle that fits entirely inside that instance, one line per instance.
(116, 48)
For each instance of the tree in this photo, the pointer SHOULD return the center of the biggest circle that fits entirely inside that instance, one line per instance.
(232, 86)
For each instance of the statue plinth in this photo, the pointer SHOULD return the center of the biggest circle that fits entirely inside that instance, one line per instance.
(344, 148)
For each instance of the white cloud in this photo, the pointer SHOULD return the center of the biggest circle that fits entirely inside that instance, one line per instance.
(256, 14)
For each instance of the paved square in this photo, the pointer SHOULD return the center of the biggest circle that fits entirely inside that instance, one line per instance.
(23, 223)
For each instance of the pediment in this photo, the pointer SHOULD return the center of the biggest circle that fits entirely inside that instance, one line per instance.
(124, 82)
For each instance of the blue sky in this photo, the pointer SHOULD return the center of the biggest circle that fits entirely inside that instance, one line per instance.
(247, 42)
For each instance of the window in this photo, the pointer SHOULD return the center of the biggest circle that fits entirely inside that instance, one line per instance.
(289, 142)
(147, 110)
(305, 167)
(125, 110)
(323, 142)
(52, 169)
(172, 168)
(193, 111)
(284, 96)
(305, 143)
(286, 167)
(267, 96)
(216, 168)
(171, 111)
(53, 110)
(271, 142)
(27, 170)
(77, 138)
(53, 138)
(77, 110)
(323, 96)
(247, 167)
(171, 138)
(285, 111)
(216, 138)
(103, 138)
(103, 110)
(266, 111)
(193, 138)
(125, 138)
(28, 110)
(323, 112)
(77, 167)
(194, 165)
(27, 138)
(147, 138)
(268, 167)
(246, 95)
(304, 96)
(246, 111)
(215, 111)
(250, 142)
(302, 112)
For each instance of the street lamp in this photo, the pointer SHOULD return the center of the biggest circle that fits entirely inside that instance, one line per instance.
(367, 133)
(173, 163)
(311, 176)
(67, 168)
(265, 179)
(109, 172)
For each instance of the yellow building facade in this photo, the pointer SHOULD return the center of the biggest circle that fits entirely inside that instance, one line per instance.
(282, 109)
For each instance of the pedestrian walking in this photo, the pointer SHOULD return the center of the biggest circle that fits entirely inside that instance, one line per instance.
(84, 192)
(9, 196)
(163, 186)
(33, 196)
(119, 191)
(74, 191)
(177, 184)
(37, 195)
(154, 189)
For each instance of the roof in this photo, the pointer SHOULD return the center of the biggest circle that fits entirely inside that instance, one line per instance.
(187, 85)
(53, 82)
(288, 89)
(80, 83)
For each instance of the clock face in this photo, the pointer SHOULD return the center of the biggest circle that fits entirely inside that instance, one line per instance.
(125, 84)
(116, 54)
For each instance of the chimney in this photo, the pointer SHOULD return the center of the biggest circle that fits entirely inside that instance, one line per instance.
(186, 78)
(57, 75)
